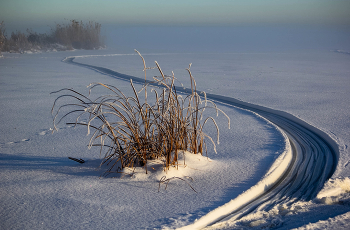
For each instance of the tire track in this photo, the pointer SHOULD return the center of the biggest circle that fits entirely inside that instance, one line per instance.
(314, 159)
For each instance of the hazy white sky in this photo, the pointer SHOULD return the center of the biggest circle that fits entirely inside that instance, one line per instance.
(34, 13)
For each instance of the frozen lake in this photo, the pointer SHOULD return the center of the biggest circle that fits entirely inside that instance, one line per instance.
(42, 189)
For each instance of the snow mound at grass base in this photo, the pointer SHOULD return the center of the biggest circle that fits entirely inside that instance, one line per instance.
(189, 165)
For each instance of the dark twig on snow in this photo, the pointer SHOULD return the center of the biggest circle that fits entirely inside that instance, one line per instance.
(81, 161)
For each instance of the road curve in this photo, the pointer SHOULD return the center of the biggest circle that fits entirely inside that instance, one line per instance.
(314, 157)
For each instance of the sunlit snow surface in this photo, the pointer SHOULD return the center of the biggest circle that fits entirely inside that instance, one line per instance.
(42, 189)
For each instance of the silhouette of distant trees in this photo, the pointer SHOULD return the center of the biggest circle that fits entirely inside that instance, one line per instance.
(74, 35)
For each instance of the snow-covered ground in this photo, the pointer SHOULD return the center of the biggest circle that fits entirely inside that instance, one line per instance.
(40, 188)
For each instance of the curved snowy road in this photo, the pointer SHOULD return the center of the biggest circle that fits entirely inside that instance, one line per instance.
(311, 159)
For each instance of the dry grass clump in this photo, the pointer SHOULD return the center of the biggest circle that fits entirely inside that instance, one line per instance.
(344, 184)
(130, 132)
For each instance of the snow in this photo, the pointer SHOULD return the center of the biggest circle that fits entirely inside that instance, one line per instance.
(40, 188)
(266, 183)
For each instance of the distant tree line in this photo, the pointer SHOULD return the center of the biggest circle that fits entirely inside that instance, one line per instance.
(74, 35)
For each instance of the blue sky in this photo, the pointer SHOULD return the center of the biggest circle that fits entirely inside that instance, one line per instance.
(34, 13)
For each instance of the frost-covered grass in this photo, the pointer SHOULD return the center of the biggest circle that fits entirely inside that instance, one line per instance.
(131, 131)
(344, 184)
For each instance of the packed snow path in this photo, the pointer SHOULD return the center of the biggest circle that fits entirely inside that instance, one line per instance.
(313, 158)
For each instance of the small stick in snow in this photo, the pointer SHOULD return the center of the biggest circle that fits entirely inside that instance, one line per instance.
(81, 161)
